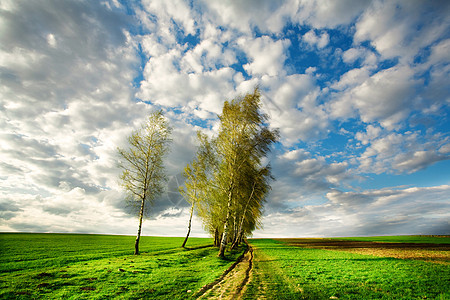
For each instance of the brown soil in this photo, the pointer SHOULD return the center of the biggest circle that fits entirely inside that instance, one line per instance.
(437, 253)
(232, 284)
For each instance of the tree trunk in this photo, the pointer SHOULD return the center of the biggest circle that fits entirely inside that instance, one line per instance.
(216, 237)
(189, 226)
(223, 243)
(239, 235)
(138, 237)
(238, 239)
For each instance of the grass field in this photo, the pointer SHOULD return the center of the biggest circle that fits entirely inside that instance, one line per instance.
(284, 271)
(72, 266)
(102, 267)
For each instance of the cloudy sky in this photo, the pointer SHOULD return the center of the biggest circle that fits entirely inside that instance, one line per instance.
(359, 90)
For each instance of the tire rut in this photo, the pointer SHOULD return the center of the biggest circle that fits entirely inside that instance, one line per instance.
(247, 274)
(230, 284)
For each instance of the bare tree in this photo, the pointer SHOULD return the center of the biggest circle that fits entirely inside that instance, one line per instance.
(143, 175)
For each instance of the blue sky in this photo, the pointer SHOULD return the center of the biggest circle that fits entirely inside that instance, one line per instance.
(358, 89)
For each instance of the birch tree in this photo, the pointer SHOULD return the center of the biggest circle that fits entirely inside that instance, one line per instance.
(244, 139)
(194, 190)
(142, 162)
(234, 181)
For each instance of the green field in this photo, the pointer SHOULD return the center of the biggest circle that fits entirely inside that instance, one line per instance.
(72, 266)
(289, 272)
(75, 266)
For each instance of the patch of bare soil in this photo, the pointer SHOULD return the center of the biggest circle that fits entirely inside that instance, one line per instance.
(232, 284)
(437, 253)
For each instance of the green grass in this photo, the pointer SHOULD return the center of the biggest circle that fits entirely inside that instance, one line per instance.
(401, 239)
(303, 273)
(74, 266)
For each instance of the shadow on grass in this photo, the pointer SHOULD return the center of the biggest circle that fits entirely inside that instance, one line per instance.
(196, 248)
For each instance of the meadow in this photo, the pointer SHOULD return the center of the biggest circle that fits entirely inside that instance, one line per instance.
(73, 266)
(76, 266)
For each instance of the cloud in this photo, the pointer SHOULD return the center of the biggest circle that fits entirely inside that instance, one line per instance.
(294, 108)
(302, 177)
(391, 27)
(393, 152)
(353, 55)
(387, 97)
(328, 14)
(266, 55)
(266, 15)
(388, 211)
(67, 101)
(8, 209)
(166, 11)
(351, 79)
(356, 88)
(316, 41)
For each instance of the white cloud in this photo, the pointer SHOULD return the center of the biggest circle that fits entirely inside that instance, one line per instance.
(165, 85)
(386, 97)
(294, 108)
(327, 14)
(417, 160)
(351, 79)
(69, 72)
(266, 55)
(369, 59)
(66, 110)
(391, 27)
(166, 11)
(373, 212)
(439, 53)
(207, 55)
(266, 15)
(372, 133)
(393, 152)
(316, 41)
(302, 177)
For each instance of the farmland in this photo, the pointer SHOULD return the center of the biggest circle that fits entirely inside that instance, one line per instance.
(98, 266)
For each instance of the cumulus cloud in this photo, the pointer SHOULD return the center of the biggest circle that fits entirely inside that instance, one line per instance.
(267, 16)
(355, 87)
(353, 55)
(328, 14)
(302, 177)
(67, 99)
(393, 152)
(391, 27)
(316, 41)
(295, 110)
(386, 97)
(266, 55)
(387, 211)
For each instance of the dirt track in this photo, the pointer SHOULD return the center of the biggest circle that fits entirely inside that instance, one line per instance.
(438, 253)
(232, 284)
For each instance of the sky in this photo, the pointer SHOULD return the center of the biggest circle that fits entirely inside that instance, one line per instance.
(359, 90)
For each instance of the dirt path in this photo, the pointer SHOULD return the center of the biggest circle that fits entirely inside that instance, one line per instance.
(233, 282)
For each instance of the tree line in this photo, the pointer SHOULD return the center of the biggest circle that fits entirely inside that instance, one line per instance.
(226, 182)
